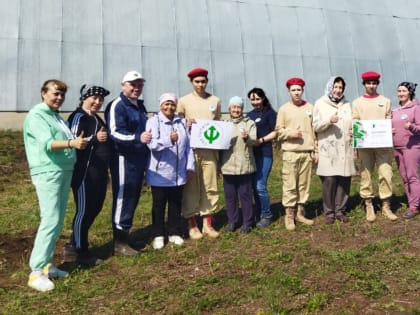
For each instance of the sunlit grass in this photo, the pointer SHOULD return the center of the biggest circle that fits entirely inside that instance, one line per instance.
(348, 268)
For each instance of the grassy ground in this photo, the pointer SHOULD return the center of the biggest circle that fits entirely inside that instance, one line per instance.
(351, 268)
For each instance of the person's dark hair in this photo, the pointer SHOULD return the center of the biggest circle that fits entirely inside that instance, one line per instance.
(260, 92)
(60, 85)
(365, 81)
(411, 87)
(340, 79)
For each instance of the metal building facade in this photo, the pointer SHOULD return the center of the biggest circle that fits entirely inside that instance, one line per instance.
(244, 43)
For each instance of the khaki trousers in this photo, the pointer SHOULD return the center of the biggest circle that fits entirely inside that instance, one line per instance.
(383, 160)
(200, 193)
(297, 172)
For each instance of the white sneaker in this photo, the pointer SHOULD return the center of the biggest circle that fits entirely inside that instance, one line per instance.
(40, 282)
(176, 239)
(158, 242)
(52, 271)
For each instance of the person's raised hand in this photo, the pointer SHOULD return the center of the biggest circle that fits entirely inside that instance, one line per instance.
(298, 133)
(174, 136)
(244, 133)
(102, 135)
(80, 142)
(190, 121)
(146, 136)
(334, 119)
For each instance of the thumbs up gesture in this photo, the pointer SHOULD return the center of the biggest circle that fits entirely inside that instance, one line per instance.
(80, 142)
(174, 136)
(244, 133)
(334, 118)
(102, 135)
(298, 133)
(146, 136)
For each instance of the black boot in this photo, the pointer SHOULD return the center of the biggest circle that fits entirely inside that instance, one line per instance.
(88, 259)
(69, 252)
(121, 246)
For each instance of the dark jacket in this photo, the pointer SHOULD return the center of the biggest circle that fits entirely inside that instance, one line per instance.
(97, 153)
(126, 122)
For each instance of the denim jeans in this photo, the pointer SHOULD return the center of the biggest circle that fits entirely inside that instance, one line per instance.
(262, 199)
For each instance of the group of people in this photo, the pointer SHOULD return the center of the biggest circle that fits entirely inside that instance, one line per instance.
(77, 154)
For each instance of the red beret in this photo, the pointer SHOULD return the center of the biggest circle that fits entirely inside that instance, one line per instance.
(197, 72)
(370, 76)
(295, 81)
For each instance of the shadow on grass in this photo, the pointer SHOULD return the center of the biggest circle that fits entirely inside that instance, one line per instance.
(138, 240)
(314, 208)
(397, 202)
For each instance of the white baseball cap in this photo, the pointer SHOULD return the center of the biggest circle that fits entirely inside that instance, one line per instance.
(132, 76)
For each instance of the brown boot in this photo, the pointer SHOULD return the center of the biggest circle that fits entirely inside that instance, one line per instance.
(370, 211)
(289, 219)
(386, 210)
(300, 216)
(208, 228)
(194, 231)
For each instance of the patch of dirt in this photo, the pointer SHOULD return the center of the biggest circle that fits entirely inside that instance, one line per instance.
(15, 251)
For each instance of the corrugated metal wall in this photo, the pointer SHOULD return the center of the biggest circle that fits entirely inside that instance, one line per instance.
(243, 43)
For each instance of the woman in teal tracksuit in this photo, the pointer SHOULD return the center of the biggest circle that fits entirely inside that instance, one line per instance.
(49, 149)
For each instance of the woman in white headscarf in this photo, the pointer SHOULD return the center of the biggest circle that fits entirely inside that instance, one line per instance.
(332, 123)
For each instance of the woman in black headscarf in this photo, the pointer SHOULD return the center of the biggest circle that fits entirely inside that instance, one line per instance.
(90, 175)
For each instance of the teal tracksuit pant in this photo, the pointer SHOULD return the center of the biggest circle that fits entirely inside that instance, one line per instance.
(53, 190)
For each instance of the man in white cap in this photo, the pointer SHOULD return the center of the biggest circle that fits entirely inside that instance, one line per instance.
(126, 119)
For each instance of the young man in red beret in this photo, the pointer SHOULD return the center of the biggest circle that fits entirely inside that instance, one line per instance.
(294, 126)
(372, 105)
(200, 193)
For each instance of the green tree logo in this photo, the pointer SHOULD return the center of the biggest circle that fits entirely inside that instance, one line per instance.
(358, 133)
(211, 134)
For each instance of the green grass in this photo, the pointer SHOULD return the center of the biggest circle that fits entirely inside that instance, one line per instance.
(348, 268)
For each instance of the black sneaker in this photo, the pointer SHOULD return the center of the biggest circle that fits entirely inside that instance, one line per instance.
(341, 217)
(410, 214)
(231, 227)
(265, 221)
(123, 249)
(87, 259)
(329, 220)
(245, 229)
(69, 252)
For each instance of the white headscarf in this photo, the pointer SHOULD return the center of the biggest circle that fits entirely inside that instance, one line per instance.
(329, 89)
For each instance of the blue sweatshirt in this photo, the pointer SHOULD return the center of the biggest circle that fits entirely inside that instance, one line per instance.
(169, 162)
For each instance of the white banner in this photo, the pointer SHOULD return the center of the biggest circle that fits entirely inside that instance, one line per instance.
(211, 134)
(372, 133)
